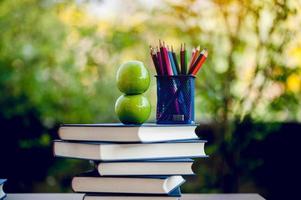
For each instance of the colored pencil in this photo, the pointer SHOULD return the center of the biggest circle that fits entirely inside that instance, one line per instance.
(194, 56)
(196, 61)
(185, 60)
(166, 63)
(175, 60)
(173, 66)
(200, 63)
(182, 59)
(155, 61)
(193, 51)
(168, 67)
(162, 58)
(160, 62)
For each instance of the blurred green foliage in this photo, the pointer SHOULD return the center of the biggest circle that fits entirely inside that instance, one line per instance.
(58, 64)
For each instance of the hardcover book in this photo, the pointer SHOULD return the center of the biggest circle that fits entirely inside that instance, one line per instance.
(115, 152)
(154, 167)
(157, 185)
(175, 195)
(126, 133)
(2, 193)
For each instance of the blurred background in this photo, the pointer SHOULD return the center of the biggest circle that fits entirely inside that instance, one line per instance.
(58, 61)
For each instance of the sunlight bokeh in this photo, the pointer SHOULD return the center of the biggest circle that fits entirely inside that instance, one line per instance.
(58, 61)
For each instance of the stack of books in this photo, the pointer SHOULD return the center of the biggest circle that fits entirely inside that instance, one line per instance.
(131, 162)
(2, 193)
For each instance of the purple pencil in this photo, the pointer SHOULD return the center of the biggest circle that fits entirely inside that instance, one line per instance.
(160, 62)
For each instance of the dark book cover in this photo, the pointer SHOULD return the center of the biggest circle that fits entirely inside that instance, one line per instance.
(174, 193)
(127, 125)
(146, 161)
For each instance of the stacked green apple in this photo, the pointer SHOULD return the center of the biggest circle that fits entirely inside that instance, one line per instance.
(133, 80)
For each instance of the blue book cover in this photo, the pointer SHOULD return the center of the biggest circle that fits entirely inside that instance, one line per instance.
(2, 193)
(2, 181)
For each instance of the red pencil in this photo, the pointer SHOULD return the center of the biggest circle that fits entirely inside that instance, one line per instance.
(195, 55)
(200, 63)
(164, 64)
(196, 61)
(168, 67)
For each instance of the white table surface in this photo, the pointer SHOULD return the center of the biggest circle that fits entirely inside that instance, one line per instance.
(75, 196)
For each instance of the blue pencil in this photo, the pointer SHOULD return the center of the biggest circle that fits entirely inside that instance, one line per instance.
(173, 66)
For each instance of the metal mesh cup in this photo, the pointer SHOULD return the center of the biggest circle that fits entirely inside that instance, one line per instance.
(175, 99)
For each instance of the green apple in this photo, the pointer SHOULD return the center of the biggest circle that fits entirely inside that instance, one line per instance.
(132, 109)
(133, 77)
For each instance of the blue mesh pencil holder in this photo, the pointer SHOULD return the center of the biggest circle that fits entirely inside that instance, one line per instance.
(175, 99)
